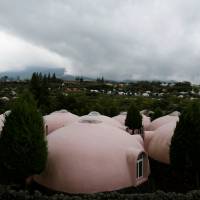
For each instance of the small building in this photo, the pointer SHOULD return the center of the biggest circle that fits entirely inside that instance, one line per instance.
(90, 156)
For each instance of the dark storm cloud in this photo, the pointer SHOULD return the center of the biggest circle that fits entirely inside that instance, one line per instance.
(120, 39)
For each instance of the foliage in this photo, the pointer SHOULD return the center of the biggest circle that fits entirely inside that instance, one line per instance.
(185, 145)
(23, 148)
(157, 113)
(8, 193)
(133, 118)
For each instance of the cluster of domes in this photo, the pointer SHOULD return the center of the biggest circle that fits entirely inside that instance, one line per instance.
(94, 153)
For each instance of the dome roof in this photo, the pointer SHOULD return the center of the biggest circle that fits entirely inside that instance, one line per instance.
(83, 159)
(157, 142)
(97, 117)
(89, 119)
(146, 121)
(175, 113)
(94, 113)
(162, 121)
(59, 119)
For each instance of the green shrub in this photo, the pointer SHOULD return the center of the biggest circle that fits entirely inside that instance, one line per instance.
(23, 148)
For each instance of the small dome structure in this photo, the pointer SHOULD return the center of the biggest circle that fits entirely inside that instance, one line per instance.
(89, 119)
(162, 121)
(146, 121)
(58, 119)
(93, 157)
(95, 116)
(94, 113)
(157, 142)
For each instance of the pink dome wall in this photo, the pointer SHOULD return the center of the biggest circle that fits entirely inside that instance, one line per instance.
(92, 157)
(146, 121)
(59, 119)
(157, 142)
(102, 118)
(162, 121)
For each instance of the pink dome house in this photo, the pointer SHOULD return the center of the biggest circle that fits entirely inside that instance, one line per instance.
(58, 119)
(162, 121)
(146, 121)
(157, 142)
(91, 156)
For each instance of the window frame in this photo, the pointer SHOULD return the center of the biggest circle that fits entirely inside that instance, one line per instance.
(140, 161)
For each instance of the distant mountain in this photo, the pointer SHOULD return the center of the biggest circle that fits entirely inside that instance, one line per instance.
(27, 73)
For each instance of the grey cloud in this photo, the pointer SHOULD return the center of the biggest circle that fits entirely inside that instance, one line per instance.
(144, 39)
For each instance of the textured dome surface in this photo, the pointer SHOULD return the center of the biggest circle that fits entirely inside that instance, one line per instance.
(162, 121)
(92, 157)
(157, 142)
(146, 121)
(102, 118)
(59, 119)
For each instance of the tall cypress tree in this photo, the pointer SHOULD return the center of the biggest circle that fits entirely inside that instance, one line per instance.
(185, 144)
(23, 148)
(133, 119)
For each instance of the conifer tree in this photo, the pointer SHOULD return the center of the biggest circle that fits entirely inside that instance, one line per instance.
(185, 144)
(133, 119)
(23, 148)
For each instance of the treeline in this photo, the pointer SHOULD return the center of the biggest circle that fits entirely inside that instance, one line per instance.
(156, 86)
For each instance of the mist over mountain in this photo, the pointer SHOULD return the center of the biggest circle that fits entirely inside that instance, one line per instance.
(27, 73)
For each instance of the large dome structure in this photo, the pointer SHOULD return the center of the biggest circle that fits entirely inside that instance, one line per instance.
(58, 119)
(91, 156)
(157, 142)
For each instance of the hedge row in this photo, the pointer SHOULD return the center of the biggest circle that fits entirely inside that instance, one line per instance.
(7, 193)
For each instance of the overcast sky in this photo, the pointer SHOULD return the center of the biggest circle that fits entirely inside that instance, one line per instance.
(117, 39)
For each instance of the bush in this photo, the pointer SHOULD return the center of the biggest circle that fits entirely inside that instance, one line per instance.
(23, 148)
